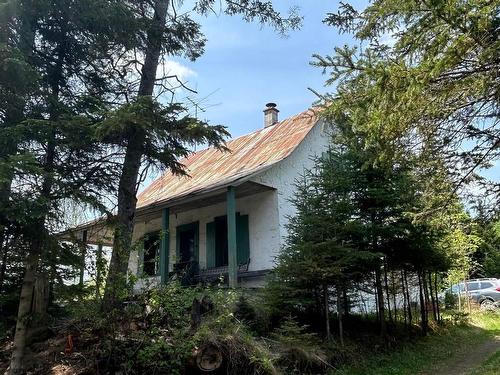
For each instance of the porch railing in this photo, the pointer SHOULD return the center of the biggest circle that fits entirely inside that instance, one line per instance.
(189, 273)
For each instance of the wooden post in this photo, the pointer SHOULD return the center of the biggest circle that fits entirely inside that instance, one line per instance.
(83, 254)
(99, 265)
(165, 245)
(231, 237)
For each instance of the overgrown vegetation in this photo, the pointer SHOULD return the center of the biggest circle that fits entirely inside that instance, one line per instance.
(159, 331)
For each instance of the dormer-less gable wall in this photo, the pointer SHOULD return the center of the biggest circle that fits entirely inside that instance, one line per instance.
(284, 175)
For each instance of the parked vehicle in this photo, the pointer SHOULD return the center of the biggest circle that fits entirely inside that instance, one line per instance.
(485, 292)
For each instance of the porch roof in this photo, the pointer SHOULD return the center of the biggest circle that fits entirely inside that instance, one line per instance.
(99, 230)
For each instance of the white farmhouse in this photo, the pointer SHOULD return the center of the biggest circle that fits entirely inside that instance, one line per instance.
(229, 216)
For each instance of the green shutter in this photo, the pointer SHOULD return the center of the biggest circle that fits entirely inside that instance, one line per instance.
(211, 244)
(140, 251)
(242, 239)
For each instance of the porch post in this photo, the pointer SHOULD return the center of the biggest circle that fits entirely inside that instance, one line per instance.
(165, 245)
(83, 254)
(99, 265)
(231, 237)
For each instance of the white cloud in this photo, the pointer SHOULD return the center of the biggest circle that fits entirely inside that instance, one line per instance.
(171, 67)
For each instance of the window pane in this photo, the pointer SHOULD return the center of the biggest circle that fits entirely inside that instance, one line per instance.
(472, 286)
(221, 256)
(486, 284)
(151, 252)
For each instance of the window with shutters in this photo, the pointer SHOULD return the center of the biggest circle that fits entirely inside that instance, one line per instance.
(217, 249)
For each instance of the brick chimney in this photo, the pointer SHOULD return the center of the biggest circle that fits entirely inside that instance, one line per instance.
(270, 115)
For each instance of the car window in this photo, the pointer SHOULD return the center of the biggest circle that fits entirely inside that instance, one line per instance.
(472, 286)
(486, 284)
(457, 287)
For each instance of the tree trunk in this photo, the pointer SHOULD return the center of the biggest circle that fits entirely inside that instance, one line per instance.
(381, 304)
(3, 266)
(83, 256)
(23, 315)
(386, 285)
(38, 328)
(326, 306)
(99, 265)
(394, 304)
(345, 304)
(425, 289)
(433, 300)
(404, 298)
(423, 310)
(408, 300)
(459, 295)
(467, 296)
(340, 315)
(127, 188)
(437, 297)
(25, 301)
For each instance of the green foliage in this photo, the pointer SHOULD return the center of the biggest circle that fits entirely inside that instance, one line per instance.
(291, 334)
(450, 300)
(488, 253)
(355, 215)
(256, 10)
(420, 78)
(458, 318)
(169, 132)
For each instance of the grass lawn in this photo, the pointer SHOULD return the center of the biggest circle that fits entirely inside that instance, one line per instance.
(427, 355)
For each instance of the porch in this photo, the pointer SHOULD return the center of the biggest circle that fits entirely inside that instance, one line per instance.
(209, 237)
(205, 236)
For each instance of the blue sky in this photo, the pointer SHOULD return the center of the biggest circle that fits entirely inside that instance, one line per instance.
(246, 65)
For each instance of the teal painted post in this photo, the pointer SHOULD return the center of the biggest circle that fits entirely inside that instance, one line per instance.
(165, 245)
(83, 254)
(99, 265)
(231, 237)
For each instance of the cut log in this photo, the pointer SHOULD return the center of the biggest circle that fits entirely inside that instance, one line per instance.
(209, 358)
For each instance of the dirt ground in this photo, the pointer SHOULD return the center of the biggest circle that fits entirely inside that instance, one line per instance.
(474, 357)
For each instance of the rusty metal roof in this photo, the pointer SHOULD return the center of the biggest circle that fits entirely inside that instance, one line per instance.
(247, 155)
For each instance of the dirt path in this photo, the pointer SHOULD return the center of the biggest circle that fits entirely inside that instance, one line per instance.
(474, 357)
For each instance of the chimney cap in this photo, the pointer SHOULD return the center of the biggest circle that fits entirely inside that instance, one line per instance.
(271, 105)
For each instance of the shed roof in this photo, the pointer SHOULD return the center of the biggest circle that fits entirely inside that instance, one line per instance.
(247, 155)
